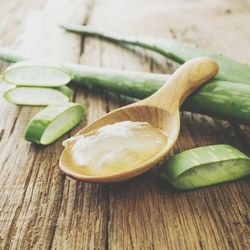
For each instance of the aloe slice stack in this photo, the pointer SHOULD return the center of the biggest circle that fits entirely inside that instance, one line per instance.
(41, 84)
(37, 84)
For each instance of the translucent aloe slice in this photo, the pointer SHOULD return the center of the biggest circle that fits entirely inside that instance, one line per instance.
(53, 122)
(38, 96)
(206, 166)
(36, 74)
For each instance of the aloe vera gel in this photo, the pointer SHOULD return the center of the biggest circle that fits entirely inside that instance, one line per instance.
(114, 148)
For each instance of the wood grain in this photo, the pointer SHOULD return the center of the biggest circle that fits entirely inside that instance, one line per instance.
(41, 209)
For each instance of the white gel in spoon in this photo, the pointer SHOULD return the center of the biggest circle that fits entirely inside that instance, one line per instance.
(112, 148)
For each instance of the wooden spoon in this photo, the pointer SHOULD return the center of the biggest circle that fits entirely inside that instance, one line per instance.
(161, 110)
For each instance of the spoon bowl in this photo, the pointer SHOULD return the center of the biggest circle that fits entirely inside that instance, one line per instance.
(161, 110)
(156, 117)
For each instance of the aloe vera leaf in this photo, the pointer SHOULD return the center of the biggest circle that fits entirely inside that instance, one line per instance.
(222, 99)
(180, 52)
(204, 166)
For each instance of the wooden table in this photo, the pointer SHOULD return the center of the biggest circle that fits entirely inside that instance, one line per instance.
(41, 209)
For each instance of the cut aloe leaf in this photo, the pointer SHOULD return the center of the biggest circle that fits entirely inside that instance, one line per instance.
(222, 99)
(204, 166)
(36, 74)
(53, 122)
(180, 52)
(38, 96)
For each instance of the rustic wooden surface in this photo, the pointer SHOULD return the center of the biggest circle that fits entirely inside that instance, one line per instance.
(41, 209)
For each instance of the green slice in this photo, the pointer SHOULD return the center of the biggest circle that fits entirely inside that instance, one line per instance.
(38, 96)
(204, 166)
(52, 122)
(36, 74)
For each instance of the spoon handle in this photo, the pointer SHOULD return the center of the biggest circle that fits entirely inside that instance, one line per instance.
(187, 78)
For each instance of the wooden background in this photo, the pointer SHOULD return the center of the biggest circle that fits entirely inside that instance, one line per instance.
(41, 209)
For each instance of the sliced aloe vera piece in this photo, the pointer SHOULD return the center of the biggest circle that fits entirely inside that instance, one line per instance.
(38, 96)
(36, 74)
(52, 122)
(206, 166)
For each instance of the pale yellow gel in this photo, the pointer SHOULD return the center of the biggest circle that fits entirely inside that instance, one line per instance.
(114, 148)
